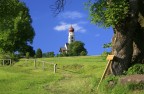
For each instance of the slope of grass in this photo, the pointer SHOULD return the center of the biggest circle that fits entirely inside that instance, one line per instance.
(75, 75)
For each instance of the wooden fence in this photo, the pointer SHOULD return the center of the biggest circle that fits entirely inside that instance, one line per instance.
(6, 60)
(43, 64)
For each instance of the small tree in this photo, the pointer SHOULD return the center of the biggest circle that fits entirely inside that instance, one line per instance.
(39, 53)
(50, 54)
(76, 48)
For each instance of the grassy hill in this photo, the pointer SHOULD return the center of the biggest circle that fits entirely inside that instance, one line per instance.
(75, 75)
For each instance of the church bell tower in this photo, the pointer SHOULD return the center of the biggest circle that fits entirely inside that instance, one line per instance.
(71, 37)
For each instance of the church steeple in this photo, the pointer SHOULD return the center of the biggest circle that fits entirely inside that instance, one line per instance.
(71, 37)
(71, 29)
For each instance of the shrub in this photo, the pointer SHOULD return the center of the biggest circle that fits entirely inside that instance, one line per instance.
(39, 53)
(136, 69)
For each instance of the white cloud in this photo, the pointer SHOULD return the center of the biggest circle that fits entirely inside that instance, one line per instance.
(72, 15)
(65, 26)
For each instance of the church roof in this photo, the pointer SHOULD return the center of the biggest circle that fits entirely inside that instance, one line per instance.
(62, 49)
(71, 29)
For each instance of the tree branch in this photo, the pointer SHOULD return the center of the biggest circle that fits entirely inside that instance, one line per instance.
(58, 7)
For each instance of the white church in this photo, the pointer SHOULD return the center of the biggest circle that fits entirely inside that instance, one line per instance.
(71, 38)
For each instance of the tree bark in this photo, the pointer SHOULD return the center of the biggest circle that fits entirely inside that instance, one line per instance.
(138, 44)
(122, 49)
(138, 52)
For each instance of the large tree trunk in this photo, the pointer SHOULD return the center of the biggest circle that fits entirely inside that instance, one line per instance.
(123, 40)
(122, 49)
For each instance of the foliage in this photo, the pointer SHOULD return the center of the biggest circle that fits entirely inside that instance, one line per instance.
(27, 48)
(64, 54)
(48, 54)
(136, 69)
(107, 45)
(39, 53)
(105, 54)
(108, 12)
(75, 48)
(83, 53)
(16, 30)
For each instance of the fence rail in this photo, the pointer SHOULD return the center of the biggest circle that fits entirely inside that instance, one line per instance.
(43, 64)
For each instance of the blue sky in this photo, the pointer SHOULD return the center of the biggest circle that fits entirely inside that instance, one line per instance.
(52, 32)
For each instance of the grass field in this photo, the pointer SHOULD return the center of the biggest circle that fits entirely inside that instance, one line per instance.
(75, 75)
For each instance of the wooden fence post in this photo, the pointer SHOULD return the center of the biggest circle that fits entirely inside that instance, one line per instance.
(3, 62)
(10, 62)
(55, 66)
(43, 67)
(35, 63)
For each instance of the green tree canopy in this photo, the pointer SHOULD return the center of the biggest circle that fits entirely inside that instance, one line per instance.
(108, 12)
(16, 30)
(76, 48)
(39, 53)
(48, 54)
(107, 45)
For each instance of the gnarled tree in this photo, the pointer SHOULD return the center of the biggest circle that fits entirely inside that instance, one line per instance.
(126, 17)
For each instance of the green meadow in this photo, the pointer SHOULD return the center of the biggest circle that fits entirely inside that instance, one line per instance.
(74, 75)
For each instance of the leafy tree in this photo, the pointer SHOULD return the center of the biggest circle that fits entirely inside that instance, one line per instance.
(39, 53)
(75, 48)
(48, 54)
(27, 48)
(126, 18)
(16, 30)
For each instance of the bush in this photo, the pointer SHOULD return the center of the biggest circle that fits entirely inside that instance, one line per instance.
(39, 53)
(136, 69)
